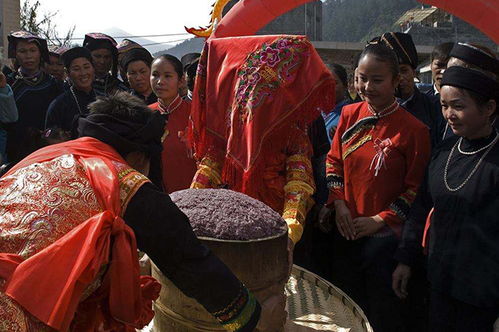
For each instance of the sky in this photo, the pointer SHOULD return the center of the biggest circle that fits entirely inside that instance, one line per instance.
(137, 17)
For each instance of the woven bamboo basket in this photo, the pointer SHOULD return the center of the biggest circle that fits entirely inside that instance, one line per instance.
(314, 304)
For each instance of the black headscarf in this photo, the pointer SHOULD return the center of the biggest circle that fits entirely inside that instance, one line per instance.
(473, 80)
(96, 41)
(475, 56)
(125, 136)
(27, 36)
(74, 53)
(135, 54)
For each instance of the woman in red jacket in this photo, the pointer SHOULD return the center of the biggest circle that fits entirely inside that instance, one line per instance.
(177, 165)
(376, 163)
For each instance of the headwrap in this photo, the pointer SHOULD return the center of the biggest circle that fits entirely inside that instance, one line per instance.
(125, 136)
(472, 80)
(57, 50)
(402, 45)
(189, 59)
(475, 56)
(74, 53)
(249, 92)
(96, 41)
(126, 45)
(29, 37)
(135, 54)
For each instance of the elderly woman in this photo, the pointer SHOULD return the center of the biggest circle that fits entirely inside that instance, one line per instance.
(33, 90)
(462, 186)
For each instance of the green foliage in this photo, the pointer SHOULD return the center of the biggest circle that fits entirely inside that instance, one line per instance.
(361, 20)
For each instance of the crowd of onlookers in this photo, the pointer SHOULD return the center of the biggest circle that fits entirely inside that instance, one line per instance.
(406, 174)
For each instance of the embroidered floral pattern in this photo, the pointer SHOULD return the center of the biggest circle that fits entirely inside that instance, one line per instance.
(265, 71)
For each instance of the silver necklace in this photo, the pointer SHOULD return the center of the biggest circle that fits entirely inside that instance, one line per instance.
(474, 152)
(76, 99)
(489, 147)
(380, 114)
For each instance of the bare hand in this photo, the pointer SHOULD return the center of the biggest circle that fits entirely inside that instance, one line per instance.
(3, 80)
(365, 226)
(325, 219)
(343, 220)
(272, 316)
(400, 278)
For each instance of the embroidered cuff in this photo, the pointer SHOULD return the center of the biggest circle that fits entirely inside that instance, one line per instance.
(242, 314)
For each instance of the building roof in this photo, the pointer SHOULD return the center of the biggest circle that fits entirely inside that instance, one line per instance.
(416, 15)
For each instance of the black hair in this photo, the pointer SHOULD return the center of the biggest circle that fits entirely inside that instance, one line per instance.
(191, 74)
(177, 65)
(382, 53)
(123, 106)
(442, 51)
(355, 60)
(341, 72)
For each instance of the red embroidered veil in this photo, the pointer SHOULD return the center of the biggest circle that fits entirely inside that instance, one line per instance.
(248, 91)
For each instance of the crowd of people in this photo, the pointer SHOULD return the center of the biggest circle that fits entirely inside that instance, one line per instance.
(390, 189)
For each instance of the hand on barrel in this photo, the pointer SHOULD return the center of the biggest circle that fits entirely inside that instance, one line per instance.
(400, 278)
(272, 318)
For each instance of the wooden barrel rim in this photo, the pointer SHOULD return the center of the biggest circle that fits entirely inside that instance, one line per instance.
(334, 291)
(212, 239)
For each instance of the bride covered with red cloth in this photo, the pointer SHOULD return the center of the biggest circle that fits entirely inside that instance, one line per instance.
(253, 99)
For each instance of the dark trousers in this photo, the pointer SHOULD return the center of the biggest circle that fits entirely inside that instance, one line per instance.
(313, 252)
(363, 269)
(450, 315)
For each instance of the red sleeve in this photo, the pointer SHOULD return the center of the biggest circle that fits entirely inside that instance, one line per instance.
(417, 154)
(334, 164)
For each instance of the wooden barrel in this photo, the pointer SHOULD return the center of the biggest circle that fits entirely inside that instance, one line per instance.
(262, 265)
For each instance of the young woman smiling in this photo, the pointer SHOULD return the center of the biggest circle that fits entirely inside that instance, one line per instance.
(177, 165)
(374, 168)
(73, 103)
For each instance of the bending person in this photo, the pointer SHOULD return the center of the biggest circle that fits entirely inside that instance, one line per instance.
(69, 234)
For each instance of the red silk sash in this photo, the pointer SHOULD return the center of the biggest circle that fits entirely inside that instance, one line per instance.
(50, 283)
